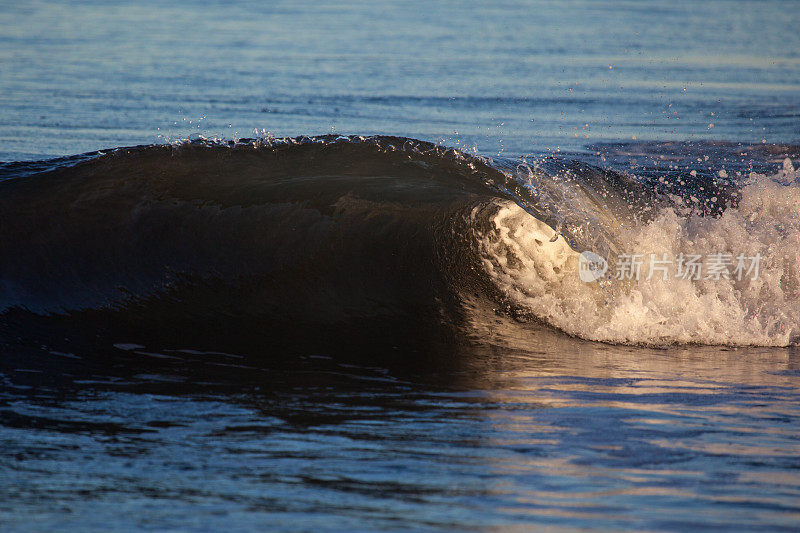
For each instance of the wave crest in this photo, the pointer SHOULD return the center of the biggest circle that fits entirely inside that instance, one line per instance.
(540, 278)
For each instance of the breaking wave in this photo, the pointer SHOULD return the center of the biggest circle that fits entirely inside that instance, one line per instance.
(323, 234)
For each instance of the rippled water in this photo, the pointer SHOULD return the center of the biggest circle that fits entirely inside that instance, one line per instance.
(567, 433)
(519, 425)
(515, 76)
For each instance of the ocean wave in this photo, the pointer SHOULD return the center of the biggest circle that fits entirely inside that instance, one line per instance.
(346, 233)
(541, 278)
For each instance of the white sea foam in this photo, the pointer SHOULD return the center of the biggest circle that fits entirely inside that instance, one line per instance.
(541, 277)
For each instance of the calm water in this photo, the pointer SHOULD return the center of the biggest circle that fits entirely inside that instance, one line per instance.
(519, 76)
(510, 426)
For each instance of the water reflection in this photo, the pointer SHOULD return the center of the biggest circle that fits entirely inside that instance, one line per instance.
(550, 431)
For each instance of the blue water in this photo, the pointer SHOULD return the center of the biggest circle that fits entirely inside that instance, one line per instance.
(519, 76)
(565, 433)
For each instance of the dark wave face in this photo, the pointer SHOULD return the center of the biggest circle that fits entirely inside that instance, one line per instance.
(347, 238)
(300, 241)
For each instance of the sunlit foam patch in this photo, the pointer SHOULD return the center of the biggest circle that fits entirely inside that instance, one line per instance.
(539, 275)
(591, 266)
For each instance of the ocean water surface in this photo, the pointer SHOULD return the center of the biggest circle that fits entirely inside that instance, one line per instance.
(317, 266)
